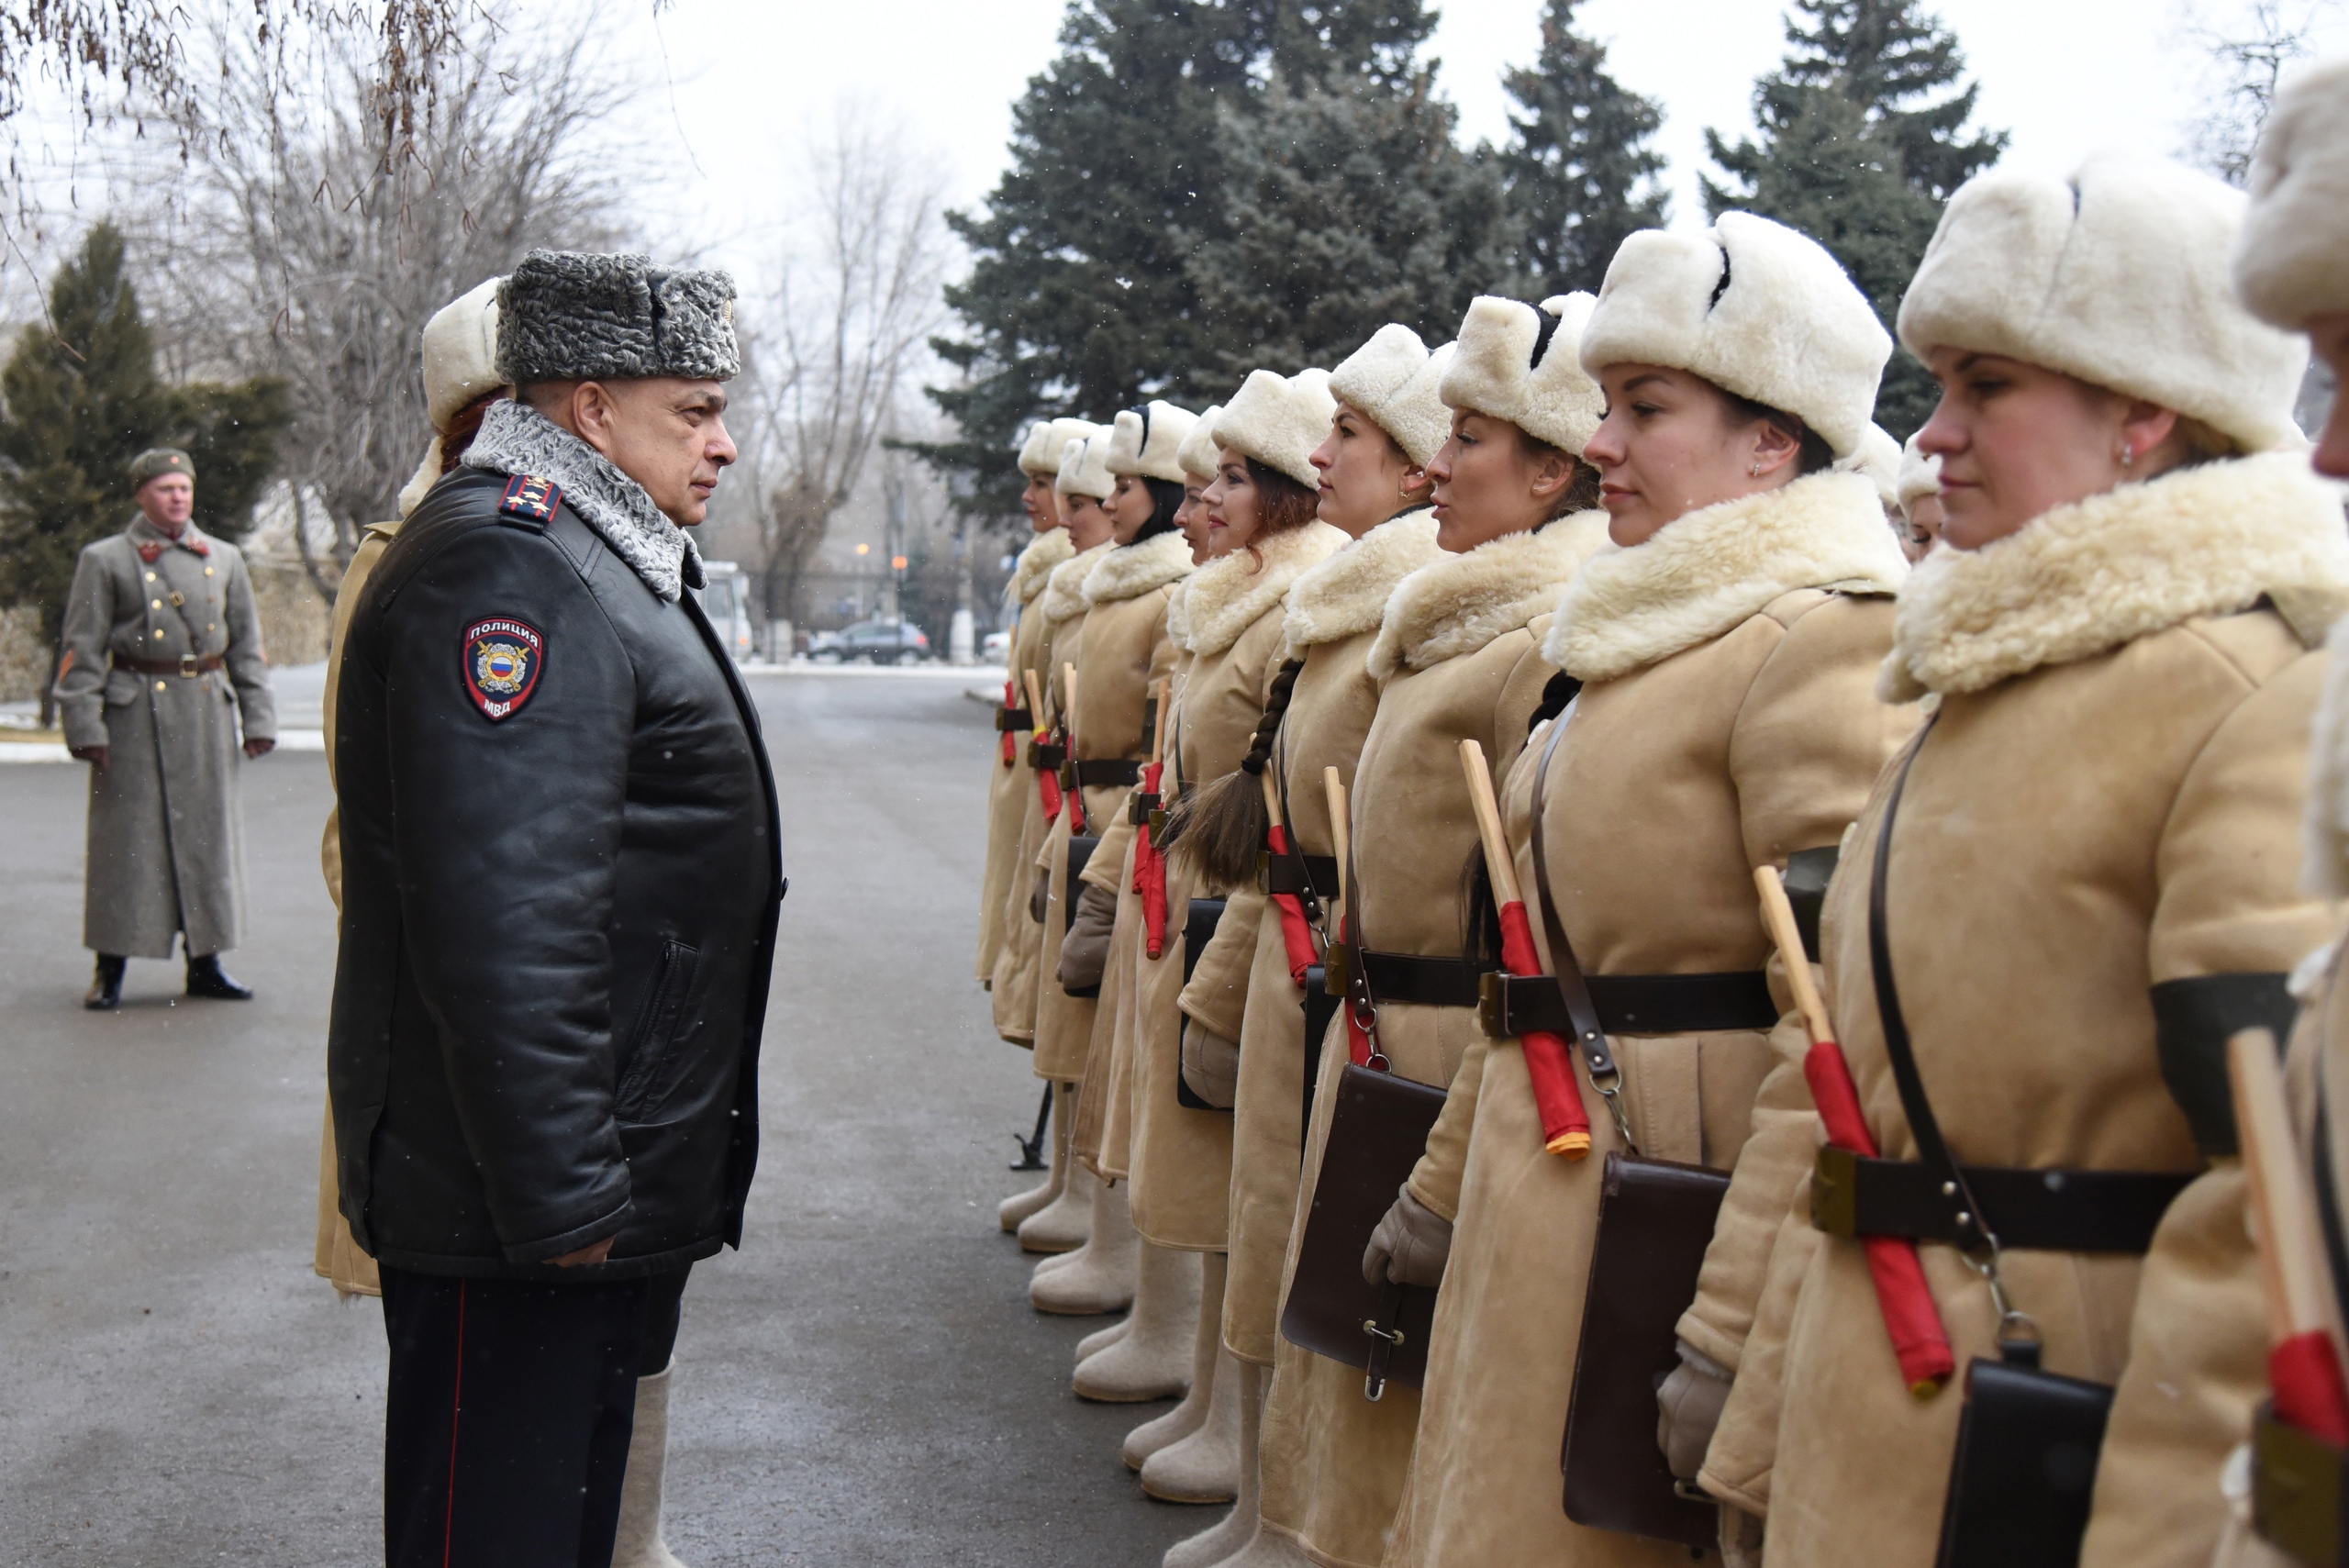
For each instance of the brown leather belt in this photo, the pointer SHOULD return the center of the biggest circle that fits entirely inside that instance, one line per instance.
(1013, 718)
(1632, 1003)
(1100, 773)
(1426, 982)
(1278, 873)
(2049, 1210)
(187, 664)
(1046, 756)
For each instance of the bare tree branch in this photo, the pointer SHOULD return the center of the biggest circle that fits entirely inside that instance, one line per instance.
(2247, 60)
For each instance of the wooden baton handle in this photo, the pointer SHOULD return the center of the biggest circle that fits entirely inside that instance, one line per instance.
(2291, 1250)
(1035, 700)
(1778, 915)
(1498, 865)
(1339, 828)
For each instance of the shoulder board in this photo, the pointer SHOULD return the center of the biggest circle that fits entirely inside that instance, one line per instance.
(530, 501)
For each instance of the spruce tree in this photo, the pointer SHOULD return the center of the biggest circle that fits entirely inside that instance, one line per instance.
(1582, 172)
(82, 396)
(1858, 152)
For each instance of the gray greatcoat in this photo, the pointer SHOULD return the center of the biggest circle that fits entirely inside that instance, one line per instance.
(166, 850)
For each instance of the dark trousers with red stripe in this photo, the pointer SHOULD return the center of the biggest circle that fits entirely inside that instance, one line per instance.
(507, 1433)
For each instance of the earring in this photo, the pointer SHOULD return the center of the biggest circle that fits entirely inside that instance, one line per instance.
(1756, 471)
(2128, 454)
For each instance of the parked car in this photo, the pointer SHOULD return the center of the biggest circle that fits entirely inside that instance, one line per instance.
(996, 648)
(722, 601)
(875, 642)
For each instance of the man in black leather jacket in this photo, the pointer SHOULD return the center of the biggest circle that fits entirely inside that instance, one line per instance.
(561, 882)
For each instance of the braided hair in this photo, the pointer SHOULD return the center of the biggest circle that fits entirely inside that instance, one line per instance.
(1220, 827)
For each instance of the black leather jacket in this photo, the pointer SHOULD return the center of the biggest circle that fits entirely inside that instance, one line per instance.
(558, 920)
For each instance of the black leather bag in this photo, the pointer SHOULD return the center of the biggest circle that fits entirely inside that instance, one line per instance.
(1080, 854)
(1378, 1133)
(1656, 1219)
(1198, 929)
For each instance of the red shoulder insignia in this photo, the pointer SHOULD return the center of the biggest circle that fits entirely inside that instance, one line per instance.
(195, 544)
(501, 660)
(530, 498)
(150, 554)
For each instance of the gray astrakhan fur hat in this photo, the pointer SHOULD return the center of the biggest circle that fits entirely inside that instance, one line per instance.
(579, 316)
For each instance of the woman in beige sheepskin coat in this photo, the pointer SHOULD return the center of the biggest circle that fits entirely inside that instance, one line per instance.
(1726, 651)
(2092, 879)
(1455, 658)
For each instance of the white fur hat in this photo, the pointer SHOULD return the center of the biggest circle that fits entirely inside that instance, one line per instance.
(1921, 474)
(1493, 370)
(1149, 441)
(1878, 460)
(1084, 469)
(1753, 308)
(1196, 455)
(2117, 276)
(1383, 378)
(1048, 441)
(460, 346)
(2292, 253)
(1278, 421)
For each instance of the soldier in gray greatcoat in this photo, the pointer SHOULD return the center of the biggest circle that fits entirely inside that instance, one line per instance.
(163, 657)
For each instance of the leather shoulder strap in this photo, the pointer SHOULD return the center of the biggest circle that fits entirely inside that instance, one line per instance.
(1572, 988)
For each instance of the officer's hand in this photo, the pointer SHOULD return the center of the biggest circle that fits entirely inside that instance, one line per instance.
(1688, 1407)
(260, 748)
(1411, 1246)
(594, 1254)
(94, 755)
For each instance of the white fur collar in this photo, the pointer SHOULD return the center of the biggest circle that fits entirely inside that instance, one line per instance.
(1130, 571)
(1712, 569)
(1347, 594)
(516, 438)
(1035, 566)
(2089, 577)
(1230, 593)
(1178, 613)
(1064, 589)
(1459, 602)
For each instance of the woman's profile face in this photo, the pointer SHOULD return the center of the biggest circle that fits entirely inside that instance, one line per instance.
(1042, 504)
(1129, 507)
(2016, 440)
(1191, 517)
(1670, 446)
(1232, 503)
(1366, 478)
(1488, 484)
(1088, 525)
(1925, 527)
(2328, 335)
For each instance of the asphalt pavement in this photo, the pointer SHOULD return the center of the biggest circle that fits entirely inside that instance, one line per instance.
(862, 1383)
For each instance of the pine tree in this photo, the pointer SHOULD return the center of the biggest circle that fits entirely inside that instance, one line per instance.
(78, 398)
(1346, 206)
(1856, 152)
(1581, 171)
(1081, 298)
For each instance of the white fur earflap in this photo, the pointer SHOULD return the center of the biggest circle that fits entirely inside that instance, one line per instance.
(1047, 443)
(1456, 604)
(2325, 830)
(2118, 276)
(1921, 474)
(1063, 597)
(1084, 467)
(1384, 379)
(1178, 612)
(1230, 593)
(1707, 571)
(1493, 371)
(1149, 441)
(2292, 254)
(1879, 461)
(1751, 307)
(1130, 571)
(1197, 456)
(2082, 579)
(428, 474)
(1347, 594)
(460, 365)
(1034, 567)
(1278, 421)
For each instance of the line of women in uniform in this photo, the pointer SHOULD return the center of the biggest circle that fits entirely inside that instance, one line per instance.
(1635, 549)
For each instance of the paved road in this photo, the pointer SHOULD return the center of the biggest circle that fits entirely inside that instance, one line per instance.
(862, 1383)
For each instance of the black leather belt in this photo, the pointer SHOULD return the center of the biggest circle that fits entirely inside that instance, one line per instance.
(1046, 756)
(1632, 1003)
(1013, 718)
(1101, 772)
(1141, 807)
(1429, 982)
(1278, 873)
(2045, 1210)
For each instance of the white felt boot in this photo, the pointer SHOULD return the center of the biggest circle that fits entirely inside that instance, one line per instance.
(1192, 1413)
(1019, 1209)
(1205, 1466)
(1239, 1540)
(1100, 1339)
(1063, 1224)
(1153, 1358)
(1084, 1188)
(638, 1543)
(1099, 1277)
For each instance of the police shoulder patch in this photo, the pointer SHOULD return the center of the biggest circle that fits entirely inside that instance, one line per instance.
(530, 499)
(502, 660)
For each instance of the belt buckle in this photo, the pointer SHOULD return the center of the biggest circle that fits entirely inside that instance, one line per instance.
(1835, 1192)
(188, 670)
(1492, 1004)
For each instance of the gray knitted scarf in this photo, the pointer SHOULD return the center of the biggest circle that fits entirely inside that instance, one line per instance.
(516, 438)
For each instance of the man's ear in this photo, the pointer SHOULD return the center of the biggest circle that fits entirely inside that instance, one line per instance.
(595, 415)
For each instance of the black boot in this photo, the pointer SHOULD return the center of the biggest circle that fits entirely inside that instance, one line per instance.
(106, 990)
(207, 978)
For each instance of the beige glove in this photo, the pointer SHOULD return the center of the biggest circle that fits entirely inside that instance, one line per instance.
(1689, 1405)
(1084, 952)
(1411, 1245)
(1040, 900)
(1211, 1065)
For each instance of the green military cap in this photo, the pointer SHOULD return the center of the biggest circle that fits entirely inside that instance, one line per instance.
(156, 462)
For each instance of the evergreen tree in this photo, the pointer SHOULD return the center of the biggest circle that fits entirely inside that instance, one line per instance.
(1347, 206)
(1581, 171)
(1081, 298)
(78, 399)
(1858, 152)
